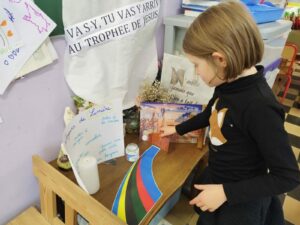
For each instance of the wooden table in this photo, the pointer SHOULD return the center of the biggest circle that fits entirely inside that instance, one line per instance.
(170, 171)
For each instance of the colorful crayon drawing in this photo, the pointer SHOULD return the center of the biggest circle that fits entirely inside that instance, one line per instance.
(5, 34)
(36, 18)
(10, 15)
(26, 28)
(3, 43)
(138, 191)
(9, 37)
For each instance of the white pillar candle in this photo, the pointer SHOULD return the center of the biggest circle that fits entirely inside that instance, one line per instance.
(88, 172)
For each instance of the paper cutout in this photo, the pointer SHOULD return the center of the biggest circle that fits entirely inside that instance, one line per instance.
(138, 191)
(97, 132)
(26, 28)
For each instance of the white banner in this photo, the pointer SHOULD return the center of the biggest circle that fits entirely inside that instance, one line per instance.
(111, 26)
(117, 68)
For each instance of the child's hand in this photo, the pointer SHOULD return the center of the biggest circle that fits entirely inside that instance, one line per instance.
(167, 131)
(210, 198)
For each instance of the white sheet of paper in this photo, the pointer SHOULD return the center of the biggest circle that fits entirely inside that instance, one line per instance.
(43, 56)
(9, 36)
(97, 132)
(33, 26)
(178, 74)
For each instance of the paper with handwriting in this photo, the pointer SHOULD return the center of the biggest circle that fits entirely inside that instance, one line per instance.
(96, 132)
(23, 28)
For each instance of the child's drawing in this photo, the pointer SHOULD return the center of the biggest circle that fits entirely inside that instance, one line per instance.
(9, 38)
(10, 15)
(5, 34)
(36, 18)
(3, 43)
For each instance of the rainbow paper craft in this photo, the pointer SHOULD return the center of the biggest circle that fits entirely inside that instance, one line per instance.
(138, 191)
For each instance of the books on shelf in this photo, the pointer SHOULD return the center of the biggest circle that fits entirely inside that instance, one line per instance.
(195, 7)
(262, 13)
(198, 5)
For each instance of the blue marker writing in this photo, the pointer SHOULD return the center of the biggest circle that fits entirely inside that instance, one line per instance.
(94, 111)
(10, 15)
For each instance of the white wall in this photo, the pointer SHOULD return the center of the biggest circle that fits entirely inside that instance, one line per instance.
(32, 113)
(168, 8)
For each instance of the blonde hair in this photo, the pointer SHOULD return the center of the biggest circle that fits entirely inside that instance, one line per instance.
(229, 29)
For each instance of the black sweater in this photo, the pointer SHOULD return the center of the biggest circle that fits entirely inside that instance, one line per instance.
(249, 150)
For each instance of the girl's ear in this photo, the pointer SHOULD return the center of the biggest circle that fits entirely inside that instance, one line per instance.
(219, 59)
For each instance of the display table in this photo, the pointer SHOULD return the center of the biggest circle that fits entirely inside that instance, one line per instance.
(170, 170)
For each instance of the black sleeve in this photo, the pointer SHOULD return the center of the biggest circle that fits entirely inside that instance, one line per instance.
(264, 123)
(199, 121)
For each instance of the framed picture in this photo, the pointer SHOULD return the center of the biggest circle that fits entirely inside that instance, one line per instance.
(178, 75)
(153, 116)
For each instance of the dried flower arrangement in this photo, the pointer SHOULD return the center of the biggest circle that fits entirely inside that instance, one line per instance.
(149, 92)
(155, 92)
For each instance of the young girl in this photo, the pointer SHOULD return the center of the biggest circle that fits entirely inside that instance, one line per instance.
(250, 158)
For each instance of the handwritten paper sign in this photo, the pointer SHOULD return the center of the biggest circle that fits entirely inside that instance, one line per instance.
(178, 74)
(111, 26)
(31, 25)
(96, 132)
